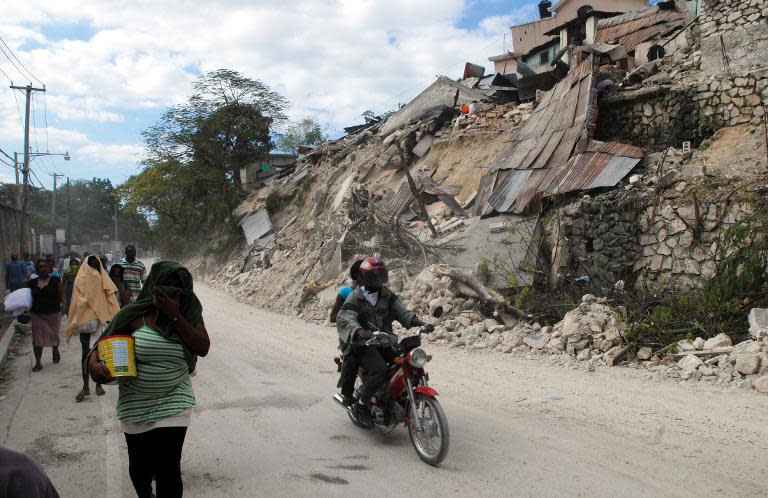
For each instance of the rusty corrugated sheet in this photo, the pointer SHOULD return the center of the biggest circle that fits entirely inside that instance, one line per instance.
(613, 172)
(630, 29)
(546, 153)
(399, 199)
(508, 185)
(616, 148)
(430, 186)
(531, 190)
(484, 191)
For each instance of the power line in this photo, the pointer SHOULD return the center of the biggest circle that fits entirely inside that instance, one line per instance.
(45, 116)
(21, 63)
(6, 75)
(18, 108)
(23, 76)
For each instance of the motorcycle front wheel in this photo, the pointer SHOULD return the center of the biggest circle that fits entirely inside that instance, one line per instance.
(431, 442)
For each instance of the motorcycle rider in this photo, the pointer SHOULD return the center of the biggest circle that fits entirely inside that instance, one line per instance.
(371, 306)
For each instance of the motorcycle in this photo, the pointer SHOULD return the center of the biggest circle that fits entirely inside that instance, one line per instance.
(406, 398)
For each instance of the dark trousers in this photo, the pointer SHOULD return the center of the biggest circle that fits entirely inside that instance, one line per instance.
(349, 370)
(156, 453)
(374, 360)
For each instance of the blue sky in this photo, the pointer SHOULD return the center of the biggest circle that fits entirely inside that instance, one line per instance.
(111, 68)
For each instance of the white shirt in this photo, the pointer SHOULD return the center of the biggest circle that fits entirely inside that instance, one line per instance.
(371, 297)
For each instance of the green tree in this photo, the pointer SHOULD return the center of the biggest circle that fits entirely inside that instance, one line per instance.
(307, 131)
(190, 181)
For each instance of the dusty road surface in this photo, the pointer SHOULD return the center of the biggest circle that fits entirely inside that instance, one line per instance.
(265, 425)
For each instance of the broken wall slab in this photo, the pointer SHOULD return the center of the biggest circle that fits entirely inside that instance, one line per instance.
(513, 248)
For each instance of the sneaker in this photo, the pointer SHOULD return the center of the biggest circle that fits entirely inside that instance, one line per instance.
(347, 400)
(363, 415)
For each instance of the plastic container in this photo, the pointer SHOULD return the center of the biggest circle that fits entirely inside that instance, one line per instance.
(118, 352)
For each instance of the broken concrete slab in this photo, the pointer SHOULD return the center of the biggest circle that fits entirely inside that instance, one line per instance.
(423, 145)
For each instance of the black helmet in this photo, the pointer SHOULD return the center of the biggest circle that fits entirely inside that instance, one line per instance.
(373, 273)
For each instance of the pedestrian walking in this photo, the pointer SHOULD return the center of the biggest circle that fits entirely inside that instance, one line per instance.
(15, 273)
(68, 280)
(94, 303)
(133, 271)
(155, 407)
(47, 303)
(30, 266)
(123, 291)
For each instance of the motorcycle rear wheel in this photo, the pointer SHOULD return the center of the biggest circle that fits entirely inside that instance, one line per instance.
(431, 443)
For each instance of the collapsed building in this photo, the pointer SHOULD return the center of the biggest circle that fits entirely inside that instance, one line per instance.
(625, 173)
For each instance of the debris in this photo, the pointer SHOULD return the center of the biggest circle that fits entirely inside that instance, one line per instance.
(758, 322)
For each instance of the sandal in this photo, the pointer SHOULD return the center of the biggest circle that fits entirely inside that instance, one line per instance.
(81, 395)
(37, 368)
(100, 390)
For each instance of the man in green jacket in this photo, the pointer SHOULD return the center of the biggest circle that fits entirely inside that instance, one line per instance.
(371, 307)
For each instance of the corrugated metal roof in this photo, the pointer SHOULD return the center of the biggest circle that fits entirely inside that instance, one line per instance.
(615, 148)
(613, 172)
(508, 186)
(484, 191)
(399, 199)
(430, 186)
(634, 28)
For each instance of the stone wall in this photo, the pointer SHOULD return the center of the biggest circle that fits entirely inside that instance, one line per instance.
(718, 16)
(734, 100)
(654, 117)
(600, 236)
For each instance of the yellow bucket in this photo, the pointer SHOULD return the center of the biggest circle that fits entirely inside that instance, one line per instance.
(119, 354)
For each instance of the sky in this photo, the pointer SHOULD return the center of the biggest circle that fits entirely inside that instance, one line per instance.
(111, 67)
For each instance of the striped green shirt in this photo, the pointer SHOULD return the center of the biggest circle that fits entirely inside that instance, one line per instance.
(162, 387)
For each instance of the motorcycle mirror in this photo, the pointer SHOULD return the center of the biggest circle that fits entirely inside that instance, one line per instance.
(438, 312)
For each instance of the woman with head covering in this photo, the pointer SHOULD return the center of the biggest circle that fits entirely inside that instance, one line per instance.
(94, 303)
(47, 302)
(69, 282)
(155, 407)
(116, 273)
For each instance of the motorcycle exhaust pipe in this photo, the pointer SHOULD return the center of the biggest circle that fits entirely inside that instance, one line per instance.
(338, 398)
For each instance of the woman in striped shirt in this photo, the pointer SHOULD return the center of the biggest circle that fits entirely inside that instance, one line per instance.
(155, 407)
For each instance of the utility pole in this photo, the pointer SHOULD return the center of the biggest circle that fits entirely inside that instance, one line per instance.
(25, 171)
(55, 176)
(18, 185)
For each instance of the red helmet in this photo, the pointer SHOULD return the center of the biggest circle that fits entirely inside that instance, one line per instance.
(373, 273)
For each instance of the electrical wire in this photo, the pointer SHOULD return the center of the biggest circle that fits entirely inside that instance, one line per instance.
(21, 63)
(6, 75)
(18, 108)
(45, 117)
(2, 50)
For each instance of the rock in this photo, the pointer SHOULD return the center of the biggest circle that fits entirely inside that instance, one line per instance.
(758, 322)
(748, 363)
(644, 353)
(492, 342)
(588, 298)
(489, 323)
(708, 371)
(698, 343)
(690, 363)
(450, 325)
(685, 345)
(498, 329)
(696, 375)
(584, 355)
(761, 384)
(536, 341)
(720, 340)
(511, 339)
(577, 345)
(555, 345)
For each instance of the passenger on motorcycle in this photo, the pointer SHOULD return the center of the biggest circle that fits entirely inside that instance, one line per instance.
(372, 306)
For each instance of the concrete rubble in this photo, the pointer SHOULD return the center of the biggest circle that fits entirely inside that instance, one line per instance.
(631, 188)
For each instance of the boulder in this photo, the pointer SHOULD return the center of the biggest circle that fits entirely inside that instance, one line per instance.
(761, 384)
(719, 341)
(570, 325)
(584, 355)
(685, 345)
(698, 343)
(498, 329)
(511, 339)
(490, 323)
(758, 322)
(644, 353)
(690, 363)
(748, 363)
(588, 298)
(450, 325)
(575, 344)
(555, 345)
(536, 341)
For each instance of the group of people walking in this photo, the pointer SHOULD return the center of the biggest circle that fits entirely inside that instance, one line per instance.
(162, 313)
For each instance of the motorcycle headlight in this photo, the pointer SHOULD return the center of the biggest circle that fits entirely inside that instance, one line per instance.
(418, 358)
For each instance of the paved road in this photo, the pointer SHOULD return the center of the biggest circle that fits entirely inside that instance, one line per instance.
(265, 425)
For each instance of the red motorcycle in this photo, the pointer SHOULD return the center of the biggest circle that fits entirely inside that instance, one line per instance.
(406, 397)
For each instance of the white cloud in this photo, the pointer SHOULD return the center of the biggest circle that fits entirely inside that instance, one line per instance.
(333, 58)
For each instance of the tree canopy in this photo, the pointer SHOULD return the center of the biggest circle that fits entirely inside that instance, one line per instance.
(306, 131)
(190, 179)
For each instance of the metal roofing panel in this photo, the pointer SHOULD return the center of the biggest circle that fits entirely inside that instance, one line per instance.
(541, 142)
(430, 186)
(256, 225)
(531, 190)
(563, 151)
(616, 169)
(616, 148)
(549, 148)
(484, 191)
(631, 30)
(400, 199)
(509, 184)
